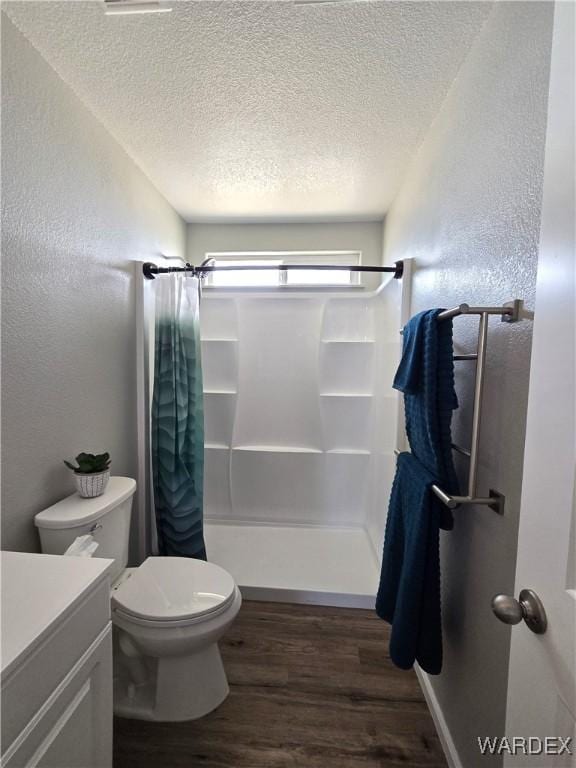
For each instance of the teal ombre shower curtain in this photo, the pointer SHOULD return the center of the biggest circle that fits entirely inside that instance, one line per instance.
(178, 418)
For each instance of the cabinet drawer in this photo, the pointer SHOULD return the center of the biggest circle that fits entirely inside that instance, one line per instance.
(73, 728)
(27, 687)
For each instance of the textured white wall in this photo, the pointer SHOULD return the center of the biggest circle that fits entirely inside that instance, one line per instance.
(337, 236)
(76, 212)
(469, 212)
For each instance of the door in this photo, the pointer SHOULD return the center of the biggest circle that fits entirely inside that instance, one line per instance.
(541, 685)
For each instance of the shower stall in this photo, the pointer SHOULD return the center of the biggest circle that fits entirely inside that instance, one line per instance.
(301, 423)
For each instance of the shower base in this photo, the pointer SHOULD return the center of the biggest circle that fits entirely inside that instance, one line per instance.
(297, 564)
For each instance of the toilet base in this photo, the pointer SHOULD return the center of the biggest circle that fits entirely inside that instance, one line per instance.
(177, 688)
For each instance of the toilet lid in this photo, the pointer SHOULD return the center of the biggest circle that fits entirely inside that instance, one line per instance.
(174, 588)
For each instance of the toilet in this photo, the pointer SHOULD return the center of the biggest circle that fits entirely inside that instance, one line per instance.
(168, 614)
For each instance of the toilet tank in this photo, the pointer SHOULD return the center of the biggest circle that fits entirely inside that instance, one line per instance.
(105, 517)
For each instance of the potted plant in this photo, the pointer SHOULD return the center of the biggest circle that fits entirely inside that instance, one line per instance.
(91, 474)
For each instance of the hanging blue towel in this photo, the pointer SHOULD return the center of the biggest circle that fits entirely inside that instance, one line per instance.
(409, 592)
(426, 377)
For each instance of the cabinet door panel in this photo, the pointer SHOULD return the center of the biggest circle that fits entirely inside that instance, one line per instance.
(26, 689)
(69, 743)
(73, 729)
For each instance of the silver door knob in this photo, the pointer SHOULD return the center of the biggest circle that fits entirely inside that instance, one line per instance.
(528, 607)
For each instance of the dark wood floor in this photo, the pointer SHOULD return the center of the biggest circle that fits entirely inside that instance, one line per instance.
(311, 687)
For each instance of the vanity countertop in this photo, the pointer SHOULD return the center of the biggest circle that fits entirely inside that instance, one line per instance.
(37, 591)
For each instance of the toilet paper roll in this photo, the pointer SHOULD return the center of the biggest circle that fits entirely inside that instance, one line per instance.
(82, 546)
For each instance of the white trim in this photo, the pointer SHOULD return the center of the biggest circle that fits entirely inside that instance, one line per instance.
(144, 493)
(450, 751)
(141, 399)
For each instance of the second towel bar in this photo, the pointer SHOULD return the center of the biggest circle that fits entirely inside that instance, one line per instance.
(495, 500)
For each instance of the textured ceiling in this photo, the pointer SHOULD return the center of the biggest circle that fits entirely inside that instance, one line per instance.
(265, 109)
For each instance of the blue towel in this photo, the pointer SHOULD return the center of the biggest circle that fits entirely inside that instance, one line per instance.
(426, 377)
(409, 592)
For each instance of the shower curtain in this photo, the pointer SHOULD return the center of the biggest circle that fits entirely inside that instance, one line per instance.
(178, 418)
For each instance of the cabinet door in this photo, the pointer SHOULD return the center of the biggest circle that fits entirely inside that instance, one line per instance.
(73, 729)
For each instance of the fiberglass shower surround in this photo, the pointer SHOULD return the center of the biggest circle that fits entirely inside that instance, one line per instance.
(300, 429)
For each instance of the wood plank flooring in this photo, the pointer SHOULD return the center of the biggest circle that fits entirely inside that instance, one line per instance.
(310, 687)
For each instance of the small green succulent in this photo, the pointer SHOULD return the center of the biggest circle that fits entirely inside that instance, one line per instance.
(90, 464)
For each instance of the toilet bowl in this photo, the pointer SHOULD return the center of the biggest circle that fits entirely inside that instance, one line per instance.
(173, 611)
(168, 614)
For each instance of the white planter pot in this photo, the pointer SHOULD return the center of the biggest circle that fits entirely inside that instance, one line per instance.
(89, 486)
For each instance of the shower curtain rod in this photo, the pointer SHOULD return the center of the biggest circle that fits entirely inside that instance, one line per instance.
(150, 270)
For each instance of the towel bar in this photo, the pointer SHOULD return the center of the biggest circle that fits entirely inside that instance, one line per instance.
(509, 313)
(495, 500)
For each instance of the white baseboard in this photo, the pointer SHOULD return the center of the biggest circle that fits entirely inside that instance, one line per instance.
(452, 757)
(307, 597)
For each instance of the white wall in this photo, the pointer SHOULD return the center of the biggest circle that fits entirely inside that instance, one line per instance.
(469, 213)
(338, 236)
(76, 212)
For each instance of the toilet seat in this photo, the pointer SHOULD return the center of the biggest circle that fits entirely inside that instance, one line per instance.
(173, 592)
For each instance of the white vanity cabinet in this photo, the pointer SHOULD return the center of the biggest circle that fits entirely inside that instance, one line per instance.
(56, 647)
